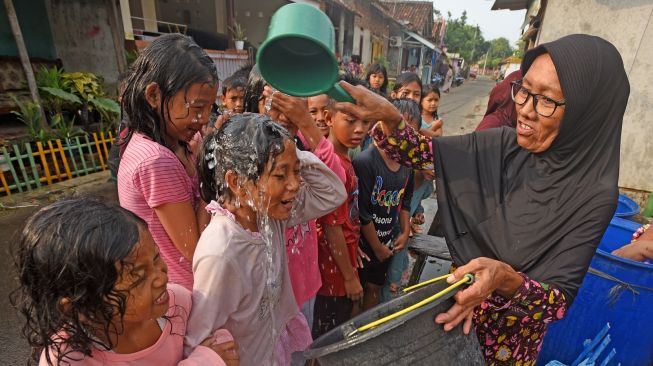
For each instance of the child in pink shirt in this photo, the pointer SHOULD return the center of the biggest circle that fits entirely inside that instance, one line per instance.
(167, 104)
(262, 185)
(95, 291)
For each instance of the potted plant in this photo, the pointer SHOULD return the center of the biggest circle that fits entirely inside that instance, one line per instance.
(239, 35)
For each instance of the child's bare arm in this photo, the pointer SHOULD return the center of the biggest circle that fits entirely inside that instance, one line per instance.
(340, 253)
(380, 251)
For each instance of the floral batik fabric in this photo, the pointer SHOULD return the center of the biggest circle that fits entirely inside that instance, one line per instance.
(511, 331)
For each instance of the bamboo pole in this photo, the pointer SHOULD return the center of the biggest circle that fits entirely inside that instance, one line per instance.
(24, 58)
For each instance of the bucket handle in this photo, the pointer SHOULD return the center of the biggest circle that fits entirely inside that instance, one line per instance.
(468, 279)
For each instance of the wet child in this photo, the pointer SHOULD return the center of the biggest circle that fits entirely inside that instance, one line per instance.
(317, 107)
(339, 233)
(408, 85)
(262, 184)
(95, 291)
(431, 125)
(168, 99)
(301, 239)
(233, 94)
(385, 191)
(377, 79)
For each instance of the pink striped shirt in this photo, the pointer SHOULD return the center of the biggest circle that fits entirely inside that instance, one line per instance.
(151, 175)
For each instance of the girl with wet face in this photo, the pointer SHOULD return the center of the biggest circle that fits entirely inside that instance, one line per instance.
(168, 98)
(94, 291)
(258, 184)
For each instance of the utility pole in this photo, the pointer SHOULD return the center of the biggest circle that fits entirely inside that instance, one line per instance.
(24, 58)
(485, 62)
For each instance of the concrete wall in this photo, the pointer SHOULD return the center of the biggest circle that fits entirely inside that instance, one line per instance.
(36, 32)
(82, 36)
(628, 24)
(255, 16)
(196, 14)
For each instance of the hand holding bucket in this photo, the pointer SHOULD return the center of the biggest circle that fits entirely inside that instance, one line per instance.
(298, 55)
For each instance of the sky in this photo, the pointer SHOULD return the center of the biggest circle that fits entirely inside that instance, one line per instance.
(493, 23)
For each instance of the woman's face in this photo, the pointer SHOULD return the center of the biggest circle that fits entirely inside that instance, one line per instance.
(411, 91)
(535, 132)
(376, 80)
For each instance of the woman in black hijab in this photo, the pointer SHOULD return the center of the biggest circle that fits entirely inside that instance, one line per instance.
(524, 209)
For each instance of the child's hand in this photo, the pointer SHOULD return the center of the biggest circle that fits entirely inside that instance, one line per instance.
(383, 253)
(227, 349)
(400, 243)
(353, 289)
(295, 109)
(360, 257)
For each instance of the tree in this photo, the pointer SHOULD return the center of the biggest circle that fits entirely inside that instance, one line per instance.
(463, 38)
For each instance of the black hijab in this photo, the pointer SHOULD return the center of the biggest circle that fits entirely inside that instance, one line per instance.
(542, 213)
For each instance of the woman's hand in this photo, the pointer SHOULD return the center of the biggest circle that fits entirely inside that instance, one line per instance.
(369, 106)
(490, 276)
(639, 250)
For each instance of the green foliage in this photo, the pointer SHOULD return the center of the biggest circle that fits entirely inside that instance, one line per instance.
(463, 38)
(131, 56)
(63, 129)
(382, 61)
(55, 95)
(238, 32)
(30, 114)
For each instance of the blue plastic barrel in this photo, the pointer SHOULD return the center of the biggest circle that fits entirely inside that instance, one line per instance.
(626, 208)
(616, 291)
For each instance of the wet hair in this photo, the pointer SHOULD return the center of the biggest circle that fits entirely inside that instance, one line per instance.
(244, 144)
(254, 90)
(378, 69)
(174, 62)
(243, 72)
(408, 107)
(69, 250)
(405, 79)
(428, 89)
(233, 82)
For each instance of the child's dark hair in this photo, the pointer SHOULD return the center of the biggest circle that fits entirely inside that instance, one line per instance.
(351, 79)
(243, 72)
(69, 250)
(174, 62)
(378, 69)
(405, 79)
(233, 82)
(244, 144)
(254, 90)
(428, 89)
(410, 108)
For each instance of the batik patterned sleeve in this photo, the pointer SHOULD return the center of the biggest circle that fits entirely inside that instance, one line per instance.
(405, 145)
(511, 330)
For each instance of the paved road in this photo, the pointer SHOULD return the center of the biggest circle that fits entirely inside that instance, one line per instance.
(461, 110)
(463, 107)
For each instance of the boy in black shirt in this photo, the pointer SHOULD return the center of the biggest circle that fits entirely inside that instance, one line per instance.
(385, 191)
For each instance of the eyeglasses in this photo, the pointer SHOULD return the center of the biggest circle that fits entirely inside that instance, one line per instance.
(543, 105)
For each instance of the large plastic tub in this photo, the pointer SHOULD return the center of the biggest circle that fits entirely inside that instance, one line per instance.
(626, 207)
(616, 291)
(411, 339)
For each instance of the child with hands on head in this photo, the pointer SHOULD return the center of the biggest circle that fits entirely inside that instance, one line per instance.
(260, 184)
(95, 291)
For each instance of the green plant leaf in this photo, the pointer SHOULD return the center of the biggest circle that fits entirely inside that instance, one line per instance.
(106, 104)
(62, 94)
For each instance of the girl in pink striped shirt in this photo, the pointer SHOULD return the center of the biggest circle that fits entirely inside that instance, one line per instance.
(168, 98)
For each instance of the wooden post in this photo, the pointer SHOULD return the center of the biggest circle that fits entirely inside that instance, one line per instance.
(24, 58)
